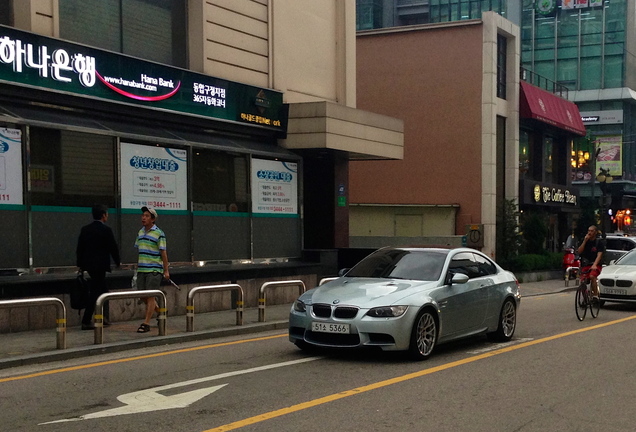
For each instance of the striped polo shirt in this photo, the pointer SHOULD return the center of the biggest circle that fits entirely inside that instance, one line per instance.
(150, 243)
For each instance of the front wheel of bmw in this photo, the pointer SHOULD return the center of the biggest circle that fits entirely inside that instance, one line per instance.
(423, 336)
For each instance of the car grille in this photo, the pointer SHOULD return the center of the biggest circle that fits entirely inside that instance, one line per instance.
(619, 283)
(342, 340)
(322, 310)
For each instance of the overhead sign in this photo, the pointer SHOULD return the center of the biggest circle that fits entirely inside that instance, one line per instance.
(602, 117)
(32, 60)
(548, 194)
(610, 155)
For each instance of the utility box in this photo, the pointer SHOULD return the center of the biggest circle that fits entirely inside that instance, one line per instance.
(475, 236)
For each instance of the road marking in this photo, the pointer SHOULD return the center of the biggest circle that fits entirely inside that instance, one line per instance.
(143, 357)
(150, 400)
(499, 346)
(356, 391)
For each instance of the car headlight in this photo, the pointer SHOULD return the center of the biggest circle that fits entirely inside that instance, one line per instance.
(299, 306)
(387, 311)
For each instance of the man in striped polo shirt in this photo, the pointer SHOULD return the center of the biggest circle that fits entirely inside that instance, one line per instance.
(152, 264)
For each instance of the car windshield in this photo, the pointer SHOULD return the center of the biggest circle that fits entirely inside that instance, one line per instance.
(627, 259)
(401, 264)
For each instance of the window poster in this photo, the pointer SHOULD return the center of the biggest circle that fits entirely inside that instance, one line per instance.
(274, 187)
(153, 176)
(10, 167)
(610, 154)
(567, 4)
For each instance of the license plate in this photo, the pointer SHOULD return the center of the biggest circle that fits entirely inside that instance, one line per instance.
(615, 291)
(329, 327)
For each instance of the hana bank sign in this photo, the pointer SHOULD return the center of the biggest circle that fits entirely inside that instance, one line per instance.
(552, 195)
(37, 61)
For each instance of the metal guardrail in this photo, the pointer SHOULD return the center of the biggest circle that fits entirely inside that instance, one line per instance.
(211, 288)
(327, 279)
(572, 271)
(99, 309)
(60, 310)
(266, 285)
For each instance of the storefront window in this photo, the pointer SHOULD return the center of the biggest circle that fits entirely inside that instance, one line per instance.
(548, 160)
(219, 182)
(6, 12)
(71, 168)
(524, 156)
(149, 29)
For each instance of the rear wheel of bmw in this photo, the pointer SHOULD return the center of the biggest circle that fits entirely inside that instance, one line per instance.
(423, 335)
(507, 323)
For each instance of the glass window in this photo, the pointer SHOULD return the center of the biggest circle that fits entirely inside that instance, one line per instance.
(591, 72)
(548, 159)
(6, 12)
(219, 182)
(465, 263)
(502, 47)
(150, 29)
(613, 71)
(524, 155)
(486, 267)
(71, 168)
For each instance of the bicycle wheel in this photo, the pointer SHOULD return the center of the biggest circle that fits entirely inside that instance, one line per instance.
(595, 306)
(580, 301)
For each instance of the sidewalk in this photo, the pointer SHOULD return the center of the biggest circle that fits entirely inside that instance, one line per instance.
(39, 346)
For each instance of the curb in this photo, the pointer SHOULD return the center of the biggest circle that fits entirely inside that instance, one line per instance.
(91, 350)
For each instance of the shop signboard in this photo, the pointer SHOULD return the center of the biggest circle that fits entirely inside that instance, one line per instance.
(153, 176)
(10, 167)
(35, 61)
(610, 155)
(548, 194)
(274, 187)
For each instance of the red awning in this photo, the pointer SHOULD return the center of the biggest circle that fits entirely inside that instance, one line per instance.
(539, 104)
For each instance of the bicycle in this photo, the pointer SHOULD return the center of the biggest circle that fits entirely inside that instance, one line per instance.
(584, 300)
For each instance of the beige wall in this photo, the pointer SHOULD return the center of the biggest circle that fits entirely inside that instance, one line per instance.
(38, 16)
(304, 48)
(406, 221)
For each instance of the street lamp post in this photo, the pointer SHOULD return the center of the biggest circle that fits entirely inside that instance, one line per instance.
(604, 179)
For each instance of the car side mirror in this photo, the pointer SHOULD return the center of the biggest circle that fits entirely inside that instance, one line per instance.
(343, 271)
(459, 278)
(612, 262)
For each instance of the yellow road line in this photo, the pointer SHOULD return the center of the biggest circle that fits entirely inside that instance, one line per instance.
(330, 398)
(129, 359)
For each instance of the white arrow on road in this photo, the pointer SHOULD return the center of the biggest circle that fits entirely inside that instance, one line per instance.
(151, 400)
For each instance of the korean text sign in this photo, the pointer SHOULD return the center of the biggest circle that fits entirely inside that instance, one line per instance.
(153, 176)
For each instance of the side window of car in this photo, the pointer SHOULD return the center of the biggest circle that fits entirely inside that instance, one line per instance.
(486, 267)
(613, 244)
(465, 263)
(628, 245)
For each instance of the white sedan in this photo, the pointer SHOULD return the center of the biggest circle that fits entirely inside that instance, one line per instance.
(617, 281)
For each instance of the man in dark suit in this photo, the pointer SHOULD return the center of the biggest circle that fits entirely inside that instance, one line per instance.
(95, 246)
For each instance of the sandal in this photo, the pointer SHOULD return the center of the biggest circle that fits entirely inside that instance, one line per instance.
(144, 328)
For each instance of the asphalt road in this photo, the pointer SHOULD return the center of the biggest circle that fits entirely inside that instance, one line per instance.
(558, 374)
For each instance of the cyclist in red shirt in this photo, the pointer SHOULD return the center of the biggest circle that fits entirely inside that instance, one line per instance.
(591, 252)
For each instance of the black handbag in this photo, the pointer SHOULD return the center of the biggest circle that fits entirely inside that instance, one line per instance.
(79, 292)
